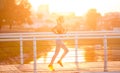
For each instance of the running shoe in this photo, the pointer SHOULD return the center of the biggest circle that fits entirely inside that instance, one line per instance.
(51, 68)
(60, 63)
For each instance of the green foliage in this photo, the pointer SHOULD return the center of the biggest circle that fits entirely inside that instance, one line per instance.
(10, 51)
(15, 14)
(92, 18)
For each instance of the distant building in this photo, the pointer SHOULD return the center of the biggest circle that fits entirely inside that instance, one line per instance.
(44, 9)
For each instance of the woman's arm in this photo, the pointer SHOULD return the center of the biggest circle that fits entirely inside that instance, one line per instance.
(59, 30)
(54, 29)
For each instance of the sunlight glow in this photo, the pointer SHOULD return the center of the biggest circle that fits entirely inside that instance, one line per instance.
(70, 57)
(79, 7)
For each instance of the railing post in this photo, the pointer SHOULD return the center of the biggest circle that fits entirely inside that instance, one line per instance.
(35, 54)
(76, 51)
(105, 53)
(21, 50)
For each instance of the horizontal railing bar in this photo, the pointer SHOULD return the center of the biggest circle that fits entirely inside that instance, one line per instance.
(55, 35)
(41, 33)
(11, 34)
(67, 38)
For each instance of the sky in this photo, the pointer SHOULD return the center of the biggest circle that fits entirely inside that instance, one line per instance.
(80, 7)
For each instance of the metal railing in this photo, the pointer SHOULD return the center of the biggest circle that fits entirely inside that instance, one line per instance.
(34, 36)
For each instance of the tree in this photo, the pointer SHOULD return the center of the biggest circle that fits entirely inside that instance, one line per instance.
(92, 18)
(112, 20)
(24, 13)
(15, 14)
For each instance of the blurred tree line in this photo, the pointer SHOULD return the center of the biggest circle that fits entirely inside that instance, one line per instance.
(92, 18)
(111, 20)
(12, 13)
(95, 21)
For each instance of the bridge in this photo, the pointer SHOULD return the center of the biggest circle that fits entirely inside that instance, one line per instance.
(76, 66)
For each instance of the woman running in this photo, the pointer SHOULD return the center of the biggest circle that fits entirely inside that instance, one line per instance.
(58, 29)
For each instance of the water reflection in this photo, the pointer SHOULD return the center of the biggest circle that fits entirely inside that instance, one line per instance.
(84, 54)
(90, 54)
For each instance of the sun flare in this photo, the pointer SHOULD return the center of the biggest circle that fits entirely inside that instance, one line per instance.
(79, 7)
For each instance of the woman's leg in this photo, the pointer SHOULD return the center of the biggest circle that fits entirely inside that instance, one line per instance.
(65, 51)
(57, 50)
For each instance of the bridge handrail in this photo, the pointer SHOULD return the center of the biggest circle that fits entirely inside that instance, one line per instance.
(51, 36)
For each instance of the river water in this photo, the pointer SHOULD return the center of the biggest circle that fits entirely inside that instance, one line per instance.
(84, 54)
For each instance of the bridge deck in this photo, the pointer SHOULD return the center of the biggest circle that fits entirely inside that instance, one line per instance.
(84, 67)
